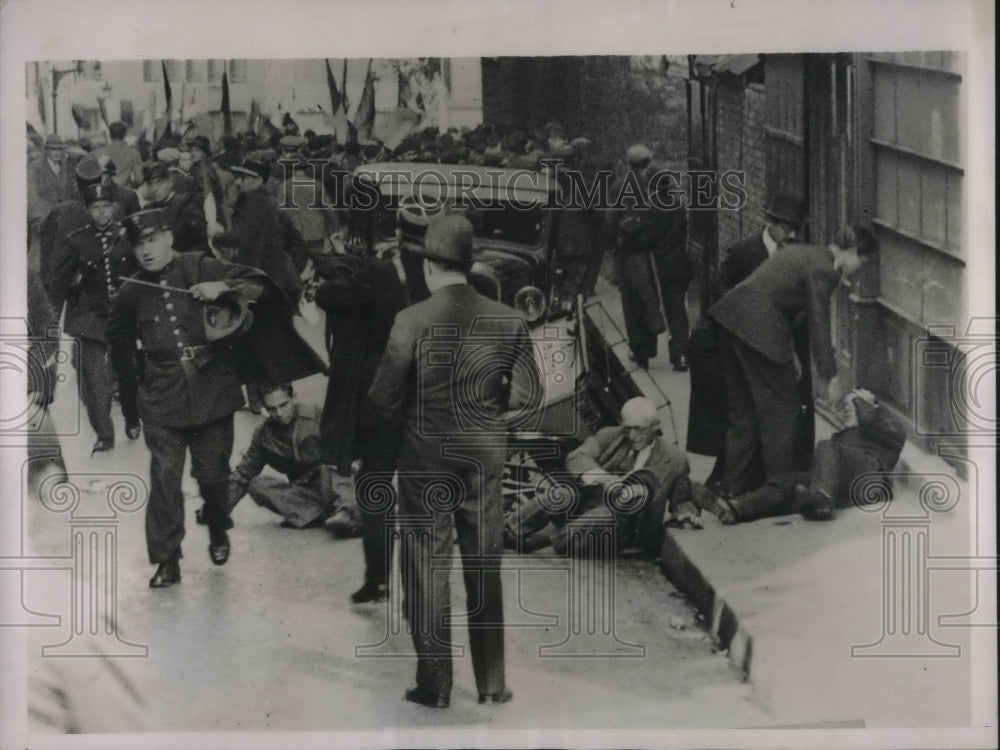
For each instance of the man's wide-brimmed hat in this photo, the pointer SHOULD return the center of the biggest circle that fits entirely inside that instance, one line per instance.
(787, 208)
(448, 239)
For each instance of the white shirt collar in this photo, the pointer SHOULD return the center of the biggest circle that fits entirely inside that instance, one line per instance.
(769, 243)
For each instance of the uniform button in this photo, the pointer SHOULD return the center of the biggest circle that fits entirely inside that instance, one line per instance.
(163, 282)
(180, 344)
(166, 295)
(156, 318)
(170, 305)
(177, 332)
(173, 318)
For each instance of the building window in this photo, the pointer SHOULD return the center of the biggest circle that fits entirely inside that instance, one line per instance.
(152, 70)
(237, 71)
(195, 71)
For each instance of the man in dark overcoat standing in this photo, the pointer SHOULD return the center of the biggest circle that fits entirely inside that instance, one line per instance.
(445, 379)
(361, 296)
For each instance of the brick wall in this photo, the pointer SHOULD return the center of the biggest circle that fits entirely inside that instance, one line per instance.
(741, 147)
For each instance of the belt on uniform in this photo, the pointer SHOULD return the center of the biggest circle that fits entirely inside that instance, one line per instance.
(187, 354)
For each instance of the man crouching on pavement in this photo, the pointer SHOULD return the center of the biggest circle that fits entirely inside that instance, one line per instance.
(189, 385)
(634, 452)
(869, 444)
(289, 442)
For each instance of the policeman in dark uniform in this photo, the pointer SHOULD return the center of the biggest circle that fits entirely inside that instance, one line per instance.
(189, 386)
(87, 277)
(185, 213)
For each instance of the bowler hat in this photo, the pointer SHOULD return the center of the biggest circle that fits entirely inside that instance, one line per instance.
(291, 142)
(156, 170)
(98, 192)
(251, 167)
(449, 240)
(787, 208)
(144, 223)
(54, 141)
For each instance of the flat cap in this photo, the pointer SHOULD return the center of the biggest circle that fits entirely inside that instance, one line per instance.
(54, 141)
(291, 141)
(638, 153)
(168, 155)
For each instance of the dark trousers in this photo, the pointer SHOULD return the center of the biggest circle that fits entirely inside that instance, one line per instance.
(376, 525)
(211, 445)
(427, 534)
(835, 472)
(96, 383)
(761, 415)
(675, 307)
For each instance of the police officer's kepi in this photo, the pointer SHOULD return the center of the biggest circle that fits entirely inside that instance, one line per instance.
(93, 193)
(144, 223)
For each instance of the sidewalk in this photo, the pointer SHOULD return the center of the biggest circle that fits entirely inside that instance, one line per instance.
(792, 600)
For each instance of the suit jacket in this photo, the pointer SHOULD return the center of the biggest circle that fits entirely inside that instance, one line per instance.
(609, 451)
(445, 374)
(88, 276)
(46, 188)
(742, 259)
(761, 310)
(878, 433)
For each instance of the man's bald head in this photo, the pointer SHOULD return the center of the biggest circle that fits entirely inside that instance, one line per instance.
(639, 412)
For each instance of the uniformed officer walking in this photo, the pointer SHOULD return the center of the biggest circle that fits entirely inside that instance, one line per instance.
(87, 277)
(189, 386)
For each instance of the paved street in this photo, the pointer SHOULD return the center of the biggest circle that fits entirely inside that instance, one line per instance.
(269, 641)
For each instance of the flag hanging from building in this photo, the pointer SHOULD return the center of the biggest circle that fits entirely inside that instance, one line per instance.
(343, 87)
(364, 118)
(253, 122)
(404, 96)
(40, 93)
(336, 101)
(227, 114)
(168, 95)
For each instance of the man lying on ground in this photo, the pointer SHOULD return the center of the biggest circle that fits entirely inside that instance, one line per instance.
(869, 443)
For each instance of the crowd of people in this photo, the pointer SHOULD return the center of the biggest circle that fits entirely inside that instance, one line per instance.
(178, 271)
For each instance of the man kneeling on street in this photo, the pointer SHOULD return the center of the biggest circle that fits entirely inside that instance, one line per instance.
(636, 460)
(868, 445)
(289, 442)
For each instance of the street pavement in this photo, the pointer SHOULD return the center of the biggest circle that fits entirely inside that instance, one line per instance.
(271, 642)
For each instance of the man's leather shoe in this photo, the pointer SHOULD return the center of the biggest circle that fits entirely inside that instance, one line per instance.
(427, 698)
(167, 574)
(503, 696)
(218, 547)
(370, 592)
(133, 431)
(102, 445)
(813, 504)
